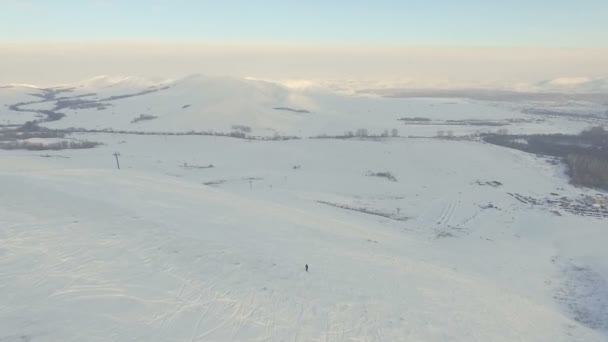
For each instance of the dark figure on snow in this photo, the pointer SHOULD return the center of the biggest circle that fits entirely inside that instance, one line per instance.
(306, 267)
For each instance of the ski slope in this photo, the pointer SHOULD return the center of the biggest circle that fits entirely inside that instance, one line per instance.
(201, 238)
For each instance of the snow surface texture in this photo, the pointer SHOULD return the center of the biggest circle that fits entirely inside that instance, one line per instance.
(171, 249)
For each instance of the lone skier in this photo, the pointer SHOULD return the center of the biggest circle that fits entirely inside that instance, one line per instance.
(306, 267)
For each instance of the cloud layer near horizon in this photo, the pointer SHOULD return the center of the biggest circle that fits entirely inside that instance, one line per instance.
(51, 63)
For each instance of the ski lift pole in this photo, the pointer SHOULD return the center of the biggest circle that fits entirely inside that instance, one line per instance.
(116, 154)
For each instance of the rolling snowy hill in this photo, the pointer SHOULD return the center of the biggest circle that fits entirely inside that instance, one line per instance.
(200, 103)
(205, 238)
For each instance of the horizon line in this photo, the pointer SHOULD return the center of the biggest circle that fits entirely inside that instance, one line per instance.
(291, 44)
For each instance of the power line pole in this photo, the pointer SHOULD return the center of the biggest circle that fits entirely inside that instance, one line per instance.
(116, 154)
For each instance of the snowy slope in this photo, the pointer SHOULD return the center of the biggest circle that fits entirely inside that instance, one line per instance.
(202, 238)
(193, 103)
(153, 259)
(150, 253)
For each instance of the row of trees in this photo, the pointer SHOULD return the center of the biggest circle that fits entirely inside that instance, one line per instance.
(450, 133)
(55, 146)
(364, 133)
(588, 170)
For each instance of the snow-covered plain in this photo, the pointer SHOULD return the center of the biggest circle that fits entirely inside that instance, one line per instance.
(203, 103)
(171, 249)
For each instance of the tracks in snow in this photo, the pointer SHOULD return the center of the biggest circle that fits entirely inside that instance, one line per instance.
(447, 213)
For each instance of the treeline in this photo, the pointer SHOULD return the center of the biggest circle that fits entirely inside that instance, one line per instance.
(12, 135)
(588, 170)
(593, 141)
(31, 130)
(415, 119)
(585, 154)
(233, 134)
(55, 146)
(361, 133)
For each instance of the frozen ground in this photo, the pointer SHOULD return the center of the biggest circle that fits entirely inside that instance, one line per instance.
(171, 249)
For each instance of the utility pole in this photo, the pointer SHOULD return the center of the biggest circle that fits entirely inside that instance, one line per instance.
(116, 154)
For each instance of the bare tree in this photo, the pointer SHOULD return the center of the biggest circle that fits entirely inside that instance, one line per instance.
(362, 133)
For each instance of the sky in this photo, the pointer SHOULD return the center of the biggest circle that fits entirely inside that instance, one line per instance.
(419, 42)
(551, 23)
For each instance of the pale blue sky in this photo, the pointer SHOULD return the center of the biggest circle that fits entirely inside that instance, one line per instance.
(547, 23)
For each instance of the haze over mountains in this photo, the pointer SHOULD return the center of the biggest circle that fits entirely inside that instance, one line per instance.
(349, 65)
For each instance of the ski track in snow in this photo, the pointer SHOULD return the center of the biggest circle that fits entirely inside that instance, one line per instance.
(446, 215)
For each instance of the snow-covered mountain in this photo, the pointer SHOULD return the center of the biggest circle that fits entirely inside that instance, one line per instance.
(413, 237)
(263, 108)
(192, 103)
(595, 85)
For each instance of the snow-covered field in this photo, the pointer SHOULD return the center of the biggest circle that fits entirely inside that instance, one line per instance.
(203, 238)
(202, 103)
